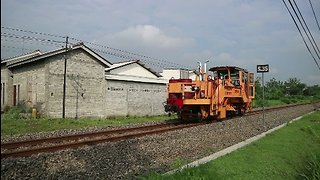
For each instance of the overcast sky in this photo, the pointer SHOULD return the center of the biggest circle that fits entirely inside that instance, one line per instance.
(226, 32)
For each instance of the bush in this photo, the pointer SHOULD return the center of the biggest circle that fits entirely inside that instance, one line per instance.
(13, 113)
(259, 103)
(285, 100)
(6, 108)
(299, 97)
(316, 97)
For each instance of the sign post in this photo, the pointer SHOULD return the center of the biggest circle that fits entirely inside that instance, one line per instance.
(263, 69)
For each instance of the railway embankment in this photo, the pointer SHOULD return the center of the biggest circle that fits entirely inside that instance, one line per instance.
(128, 159)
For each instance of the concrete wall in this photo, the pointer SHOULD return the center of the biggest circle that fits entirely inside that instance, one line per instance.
(133, 98)
(6, 87)
(88, 94)
(176, 74)
(85, 90)
(29, 82)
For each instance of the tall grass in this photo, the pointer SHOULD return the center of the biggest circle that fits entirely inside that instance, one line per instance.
(15, 122)
(311, 168)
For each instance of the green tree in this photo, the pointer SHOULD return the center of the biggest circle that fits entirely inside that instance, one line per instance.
(258, 87)
(294, 86)
(258, 93)
(274, 89)
(312, 91)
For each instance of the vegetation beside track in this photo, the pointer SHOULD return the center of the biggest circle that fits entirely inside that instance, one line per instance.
(15, 121)
(285, 101)
(292, 152)
(287, 92)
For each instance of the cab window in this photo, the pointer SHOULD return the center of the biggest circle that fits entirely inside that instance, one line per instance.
(223, 74)
(251, 78)
(234, 75)
(244, 77)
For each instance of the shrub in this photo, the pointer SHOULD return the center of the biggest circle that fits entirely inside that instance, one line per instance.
(13, 113)
(286, 100)
(6, 108)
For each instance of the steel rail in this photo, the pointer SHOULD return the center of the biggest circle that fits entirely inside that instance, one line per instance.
(32, 142)
(144, 131)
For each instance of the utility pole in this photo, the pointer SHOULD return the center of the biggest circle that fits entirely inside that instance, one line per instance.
(64, 80)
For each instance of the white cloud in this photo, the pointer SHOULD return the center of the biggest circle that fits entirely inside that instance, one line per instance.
(225, 59)
(227, 32)
(149, 36)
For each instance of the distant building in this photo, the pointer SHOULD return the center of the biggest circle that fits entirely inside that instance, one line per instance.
(178, 74)
(95, 87)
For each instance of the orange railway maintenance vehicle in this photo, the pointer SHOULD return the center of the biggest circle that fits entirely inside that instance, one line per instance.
(228, 91)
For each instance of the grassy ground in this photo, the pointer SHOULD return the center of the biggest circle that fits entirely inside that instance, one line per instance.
(292, 152)
(13, 123)
(284, 101)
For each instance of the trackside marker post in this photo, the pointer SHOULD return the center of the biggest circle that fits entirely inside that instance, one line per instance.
(263, 69)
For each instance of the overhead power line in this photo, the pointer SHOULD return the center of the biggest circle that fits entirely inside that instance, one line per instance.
(33, 32)
(300, 33)
(314, 14)
(107, 49)
(29, 38)
(131, 53)
(159, 64)
(313, 43)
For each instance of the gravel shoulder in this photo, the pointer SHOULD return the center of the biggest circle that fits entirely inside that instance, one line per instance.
(129, 159)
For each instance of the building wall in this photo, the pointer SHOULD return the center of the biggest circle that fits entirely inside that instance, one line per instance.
(175, 74)
(134, 98)
(88, 94)
(29, 83)
(85, 86)
(6, 87)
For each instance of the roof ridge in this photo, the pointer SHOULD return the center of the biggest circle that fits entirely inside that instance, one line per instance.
(21, 55)
(125, 61)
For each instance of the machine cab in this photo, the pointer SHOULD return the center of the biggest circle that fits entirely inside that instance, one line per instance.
(235, 77)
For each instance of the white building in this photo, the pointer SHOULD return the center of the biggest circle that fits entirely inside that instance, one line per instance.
(178, 74)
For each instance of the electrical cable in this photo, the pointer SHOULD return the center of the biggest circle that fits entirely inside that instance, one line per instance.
(127, 52)
(36, 40)
(314, 14)
(33, 32)
(119, 52)
(308, 31)
(301, 34)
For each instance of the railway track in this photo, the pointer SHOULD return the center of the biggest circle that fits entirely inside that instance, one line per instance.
(52, 144)
(30, 147)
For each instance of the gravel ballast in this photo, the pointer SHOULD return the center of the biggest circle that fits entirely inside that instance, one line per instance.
(129, 159)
